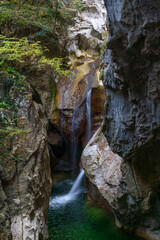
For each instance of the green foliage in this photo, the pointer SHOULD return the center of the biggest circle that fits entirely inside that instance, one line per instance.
(3, 105)
(45, 17)
(11, 80)
(44, 21)
(13, 131)
(101, 75)
(15, 82)
(77, 4)
(14, 49)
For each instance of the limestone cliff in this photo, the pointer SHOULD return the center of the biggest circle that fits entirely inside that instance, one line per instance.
(132, 113)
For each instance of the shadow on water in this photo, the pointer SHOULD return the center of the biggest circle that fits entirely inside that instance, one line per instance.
(72, 217)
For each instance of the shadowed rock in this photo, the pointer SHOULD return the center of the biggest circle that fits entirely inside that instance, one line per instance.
(132, 112)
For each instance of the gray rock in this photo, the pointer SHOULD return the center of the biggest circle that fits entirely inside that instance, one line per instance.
(110, 174)
(116, 181)
(86, 35)
(131, 77)
(27, 184)
(132, 112)
(5, 232)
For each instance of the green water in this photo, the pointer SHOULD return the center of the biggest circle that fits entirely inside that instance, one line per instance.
(79, 220)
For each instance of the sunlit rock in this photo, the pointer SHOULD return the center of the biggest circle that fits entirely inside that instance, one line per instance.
(87, 33)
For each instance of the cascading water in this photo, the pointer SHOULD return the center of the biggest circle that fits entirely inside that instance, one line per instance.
(62, 200)
(62, 90)
(77, 183)
(70, 216)
(88, 113)
(73, 137)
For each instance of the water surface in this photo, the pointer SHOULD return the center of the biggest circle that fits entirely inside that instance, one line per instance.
(75, 218)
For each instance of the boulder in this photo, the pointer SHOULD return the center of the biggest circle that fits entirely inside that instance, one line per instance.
(116, 182)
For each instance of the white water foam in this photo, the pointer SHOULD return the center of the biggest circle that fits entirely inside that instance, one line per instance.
(62, 200)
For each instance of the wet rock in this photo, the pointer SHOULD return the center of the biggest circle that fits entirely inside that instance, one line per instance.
(72, 93)
(94, 196)
(131, 77)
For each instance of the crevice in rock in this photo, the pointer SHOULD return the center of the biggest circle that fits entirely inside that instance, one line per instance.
(35, 96)
(134, 178)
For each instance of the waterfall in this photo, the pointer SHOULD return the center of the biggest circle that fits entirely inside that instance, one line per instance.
(77, 183)
(74, 129)
(62, 200)
(88, 113)
(61, 108)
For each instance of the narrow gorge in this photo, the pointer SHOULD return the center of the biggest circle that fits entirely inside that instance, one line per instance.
(79, 120)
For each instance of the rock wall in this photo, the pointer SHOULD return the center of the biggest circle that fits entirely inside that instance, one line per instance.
(83, 45)
(5, 225)
(89, 29)
(116, 181)
(132, 112)
(132, 75)
(26, 177)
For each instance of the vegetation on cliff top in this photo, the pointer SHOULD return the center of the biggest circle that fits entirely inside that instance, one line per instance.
(20, 50)
(43, 18)
(24, 22)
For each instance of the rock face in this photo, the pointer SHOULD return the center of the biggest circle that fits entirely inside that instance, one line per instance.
(102, 167)
(116, 181)
(132, 75)
(5, 232)
(132, 113)
(110, 174)
(26, 178)
(87, 34)
(72, 93)
(28, 195)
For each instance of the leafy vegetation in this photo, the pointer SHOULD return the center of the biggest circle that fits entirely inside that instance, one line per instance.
(17, 52)
(44, 18)
(11, 81)
(101, 75)
(27, 21)
(77, 4)
(14, 49)
(103, 48)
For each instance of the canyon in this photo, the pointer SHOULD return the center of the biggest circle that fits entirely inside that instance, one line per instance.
(113, 131)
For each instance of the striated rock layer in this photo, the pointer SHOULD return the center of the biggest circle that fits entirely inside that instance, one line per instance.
(132, 112)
